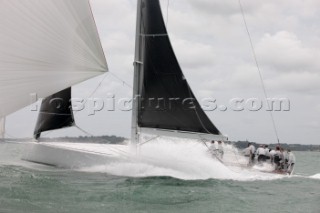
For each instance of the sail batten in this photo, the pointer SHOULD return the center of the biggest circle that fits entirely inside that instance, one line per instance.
(166, 101)
(46, 46)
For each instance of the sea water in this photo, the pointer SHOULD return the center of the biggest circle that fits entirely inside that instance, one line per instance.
(171, 177)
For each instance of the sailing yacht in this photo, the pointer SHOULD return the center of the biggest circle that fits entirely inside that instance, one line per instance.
(60, 47)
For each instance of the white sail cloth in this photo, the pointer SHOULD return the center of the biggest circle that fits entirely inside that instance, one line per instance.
(45, 46)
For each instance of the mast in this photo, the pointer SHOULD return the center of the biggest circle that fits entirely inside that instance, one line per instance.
(138, 65)
(2, 127)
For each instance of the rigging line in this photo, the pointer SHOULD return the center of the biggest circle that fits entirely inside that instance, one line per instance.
(203, 140)
(14, 137)
(154, 138)
(224, 163)
(86, 100)
(82, 130)
(90, 134)
(95, 90)
(195, 109)
(197, 114)
(120, 152)
(259, 70)
(124, 82)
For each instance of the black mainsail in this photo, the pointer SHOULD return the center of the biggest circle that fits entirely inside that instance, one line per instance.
(166, 101)
(55, 113)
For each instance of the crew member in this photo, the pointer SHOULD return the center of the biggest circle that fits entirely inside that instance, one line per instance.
(249, 152)
(261, 153)
(272, 153)
(267, 152)
(291, 161)
(252, 151)
(277, 158)
(214, 149)
(220, 149)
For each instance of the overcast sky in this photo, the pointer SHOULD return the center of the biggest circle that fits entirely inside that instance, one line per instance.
(211, 43)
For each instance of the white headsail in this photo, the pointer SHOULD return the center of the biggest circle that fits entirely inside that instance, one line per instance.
(46, 46)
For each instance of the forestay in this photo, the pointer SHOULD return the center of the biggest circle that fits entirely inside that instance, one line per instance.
(46, 46)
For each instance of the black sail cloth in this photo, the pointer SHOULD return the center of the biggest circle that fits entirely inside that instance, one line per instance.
(167, 101)
(55, 113)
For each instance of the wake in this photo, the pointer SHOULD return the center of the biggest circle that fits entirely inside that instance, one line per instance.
(182, 159)
(316, 176)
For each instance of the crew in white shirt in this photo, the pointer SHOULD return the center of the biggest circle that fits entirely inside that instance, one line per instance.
(291, 161)
(272, 154)
(261, 153)
(277, 158)
(249, 152)
(267, 152)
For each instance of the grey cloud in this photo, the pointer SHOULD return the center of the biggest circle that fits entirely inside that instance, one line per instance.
(286, 52)
(219, 7)
(302, 82)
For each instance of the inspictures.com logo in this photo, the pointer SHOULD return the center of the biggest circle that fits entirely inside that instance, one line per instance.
(94, 105)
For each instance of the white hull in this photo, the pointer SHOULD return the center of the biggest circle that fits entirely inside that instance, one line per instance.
(186, 160)
(75, 155)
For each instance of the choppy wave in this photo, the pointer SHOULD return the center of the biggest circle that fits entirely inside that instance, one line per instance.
(316, 176)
